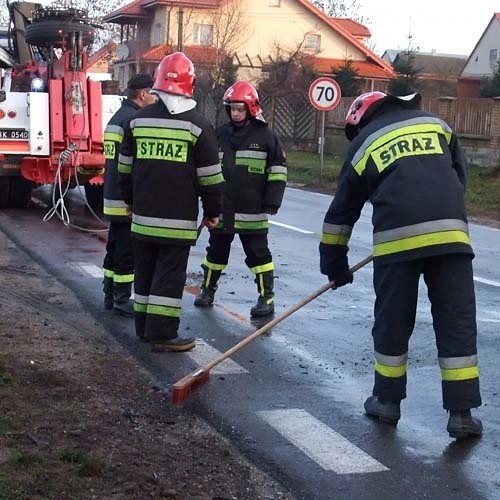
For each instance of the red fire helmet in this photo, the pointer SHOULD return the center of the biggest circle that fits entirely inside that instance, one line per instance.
(175, 75)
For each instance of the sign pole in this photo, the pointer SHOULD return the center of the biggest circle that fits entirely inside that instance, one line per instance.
(321, 146)
(324, 95)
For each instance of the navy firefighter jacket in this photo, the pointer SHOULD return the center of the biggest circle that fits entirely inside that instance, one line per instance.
(115, 208)
(409, 165)
(254, 167)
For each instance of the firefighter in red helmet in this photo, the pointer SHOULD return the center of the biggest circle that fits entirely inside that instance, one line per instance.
(168, 158)
(409, 165)
(253, 163)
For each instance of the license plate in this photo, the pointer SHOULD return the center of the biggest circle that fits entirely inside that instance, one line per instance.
(12, 134)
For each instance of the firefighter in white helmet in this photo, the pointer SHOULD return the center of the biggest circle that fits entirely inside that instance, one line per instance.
(168, 159)
(253, 163)
(410, 166)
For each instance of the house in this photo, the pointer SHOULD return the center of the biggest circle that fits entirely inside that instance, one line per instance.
(482, 61)
(251, 33)
(100, 63)
(437, 73)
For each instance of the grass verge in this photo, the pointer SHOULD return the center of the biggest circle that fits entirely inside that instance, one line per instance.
(483, 189)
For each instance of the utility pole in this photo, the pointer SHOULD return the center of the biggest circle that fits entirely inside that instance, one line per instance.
(180, 28)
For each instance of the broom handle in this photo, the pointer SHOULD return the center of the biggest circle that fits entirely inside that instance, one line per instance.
(280, 318)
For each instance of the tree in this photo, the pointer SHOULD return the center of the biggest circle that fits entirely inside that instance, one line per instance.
(347, 77)
(288, 71)
(490, 86)
(404, 65)
(339, 8)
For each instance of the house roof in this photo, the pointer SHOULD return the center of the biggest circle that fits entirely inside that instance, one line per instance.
(494, 18)
(140, 8)
(340, 28)
(109, 48)
(199, 54)
(364, 69)
(440, 65)
(353, 27)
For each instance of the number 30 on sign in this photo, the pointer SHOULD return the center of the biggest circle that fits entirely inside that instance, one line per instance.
(324, 93)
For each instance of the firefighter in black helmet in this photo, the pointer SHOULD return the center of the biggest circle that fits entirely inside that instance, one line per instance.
(253, 163)
(119, 261)
(410, 166)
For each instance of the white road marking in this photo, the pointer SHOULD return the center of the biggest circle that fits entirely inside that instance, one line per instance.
(205, 352)
(293, 228)
(90, 269)
(486, 281)
(320, 443)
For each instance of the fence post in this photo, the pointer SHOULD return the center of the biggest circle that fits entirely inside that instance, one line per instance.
(495, 123)
(446, 106)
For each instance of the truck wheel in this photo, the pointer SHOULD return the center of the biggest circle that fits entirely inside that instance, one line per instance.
(95, 197)
(51, 32)
(20, 192)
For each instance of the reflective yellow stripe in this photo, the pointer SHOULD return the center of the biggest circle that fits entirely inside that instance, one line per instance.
(255, 166)
(173, 312)
(334, 239)
(108, 273)
(263, 224)
(140, 308)
(390, 371)
(124, 169)
(455, 374)
(262, 269)
(213, 266)
(115, 211)
(424, 240)
(165, 133)
(178, 234)
(123, 278)
(210, 180)
(113, 136)
(277, 177)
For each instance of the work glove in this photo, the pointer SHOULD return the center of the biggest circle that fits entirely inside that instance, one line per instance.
(341, 278)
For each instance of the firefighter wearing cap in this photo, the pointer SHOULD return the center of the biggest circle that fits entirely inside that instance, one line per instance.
(253, 163)
(410, 166)
(118, 261)
(168, 159)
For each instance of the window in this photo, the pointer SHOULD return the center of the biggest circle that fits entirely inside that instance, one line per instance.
(203, 34)
(312, 42)
(274, 3)
(493, 55)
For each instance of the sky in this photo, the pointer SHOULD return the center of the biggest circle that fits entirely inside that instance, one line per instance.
(446, 26)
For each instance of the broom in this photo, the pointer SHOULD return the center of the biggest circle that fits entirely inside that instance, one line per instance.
(183, 387)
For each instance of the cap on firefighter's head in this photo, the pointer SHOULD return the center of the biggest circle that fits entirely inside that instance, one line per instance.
(140, 81)
(175, 75)
(244, 92)
(364, 106)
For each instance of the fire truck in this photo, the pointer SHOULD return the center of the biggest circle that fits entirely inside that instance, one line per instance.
(52, 116)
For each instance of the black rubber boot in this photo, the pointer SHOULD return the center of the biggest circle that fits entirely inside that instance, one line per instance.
(385, 411)
(107, 287)
(208, 288)
(178, 344)
(123, 306)
(462, 424)
(265, 302)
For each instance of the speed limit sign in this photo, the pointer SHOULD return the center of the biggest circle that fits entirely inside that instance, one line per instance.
(324, 93)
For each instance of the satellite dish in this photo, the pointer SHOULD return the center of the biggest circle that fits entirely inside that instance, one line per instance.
(122, 51)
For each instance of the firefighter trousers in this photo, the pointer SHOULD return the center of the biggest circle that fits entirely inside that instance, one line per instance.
(119, 259)
(450, 289)
(255, 246)
(160, 276)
